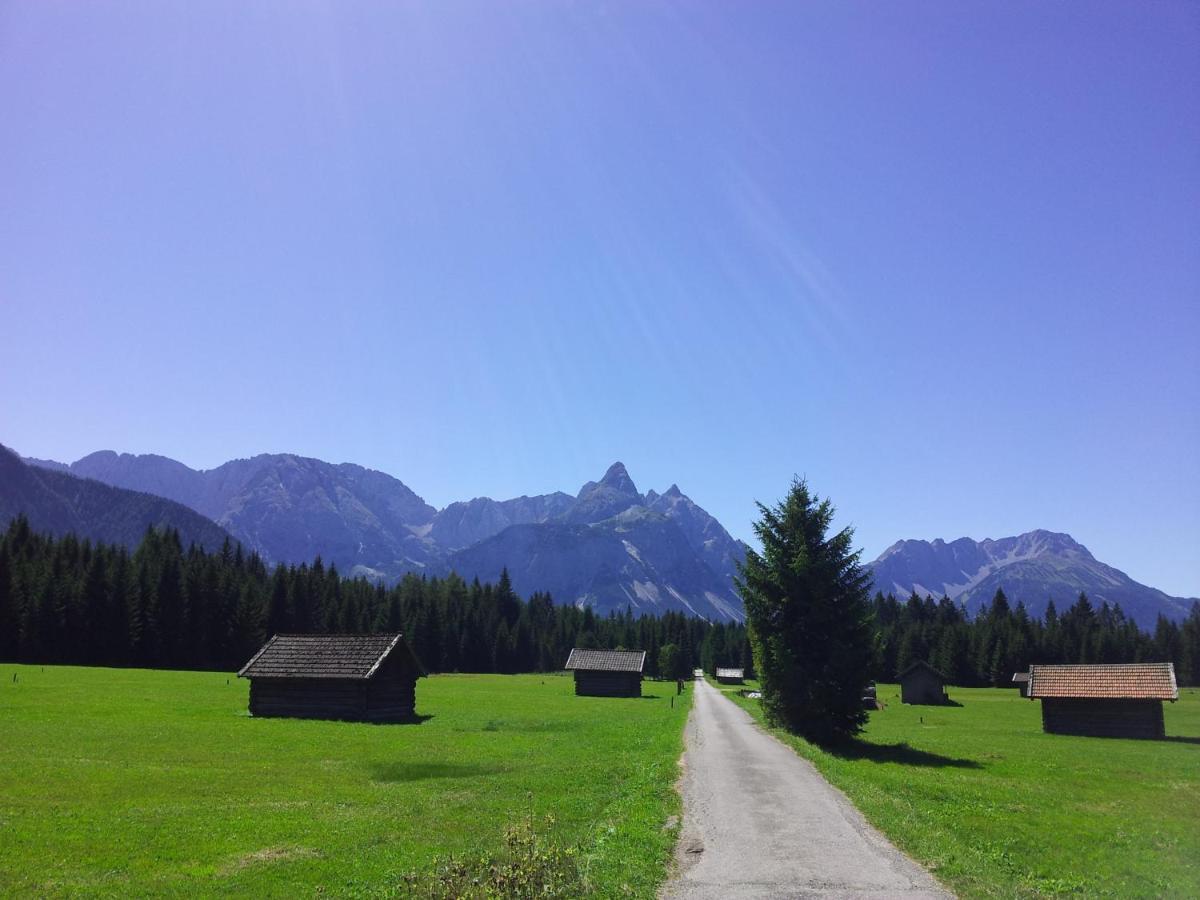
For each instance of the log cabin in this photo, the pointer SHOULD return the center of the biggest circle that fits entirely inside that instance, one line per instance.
(357, 677)
(730, 676)
(607, 673)
(922, 684)
(1020, 681)
(1104, 700)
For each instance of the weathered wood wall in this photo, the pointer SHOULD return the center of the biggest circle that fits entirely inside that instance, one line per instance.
(922, 687)
(608, 684)
(1104, 718)
(389, 696)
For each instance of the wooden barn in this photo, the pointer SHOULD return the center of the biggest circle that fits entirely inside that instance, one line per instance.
(359, 677)
(1020, 681)
(923, 685)
(730, 676)
(1104, 700)
(607, 673)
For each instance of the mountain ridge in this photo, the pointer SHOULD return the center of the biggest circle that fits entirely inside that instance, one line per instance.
(291, 508)
(59, 503)
(1033, 567)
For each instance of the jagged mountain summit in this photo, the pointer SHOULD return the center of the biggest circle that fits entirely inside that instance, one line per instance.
(1033, 568)
(609, 546)
(614, 548)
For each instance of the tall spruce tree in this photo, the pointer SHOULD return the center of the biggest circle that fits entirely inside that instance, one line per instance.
(808, 618)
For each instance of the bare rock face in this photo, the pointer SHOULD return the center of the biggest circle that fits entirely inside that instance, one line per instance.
(1032, 568)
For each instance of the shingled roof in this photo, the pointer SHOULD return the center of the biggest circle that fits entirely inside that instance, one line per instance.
(1133, 681)
(607, 660)
(354, 656)
(731, 673)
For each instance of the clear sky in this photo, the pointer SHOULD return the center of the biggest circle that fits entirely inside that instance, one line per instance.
(941, 258)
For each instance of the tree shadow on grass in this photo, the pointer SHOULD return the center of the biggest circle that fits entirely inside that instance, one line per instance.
(396, 772)
(898, 753)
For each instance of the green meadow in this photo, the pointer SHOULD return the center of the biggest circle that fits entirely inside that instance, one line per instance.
(136, 782)
(996, 808)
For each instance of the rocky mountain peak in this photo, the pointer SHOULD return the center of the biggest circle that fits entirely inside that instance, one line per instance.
(617, 478)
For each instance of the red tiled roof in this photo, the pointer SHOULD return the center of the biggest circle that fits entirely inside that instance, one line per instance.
(607, 660)
(1133, 681)
(354, 656)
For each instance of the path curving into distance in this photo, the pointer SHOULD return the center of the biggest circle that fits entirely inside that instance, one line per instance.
(759, 821)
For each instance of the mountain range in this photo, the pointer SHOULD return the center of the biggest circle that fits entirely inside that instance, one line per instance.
(1032, 568)
(608, 545)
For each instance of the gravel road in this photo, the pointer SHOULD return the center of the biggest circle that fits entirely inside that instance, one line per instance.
(759, 821)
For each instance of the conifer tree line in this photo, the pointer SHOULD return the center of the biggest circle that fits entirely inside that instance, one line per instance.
(1000, 639)
(63, 600)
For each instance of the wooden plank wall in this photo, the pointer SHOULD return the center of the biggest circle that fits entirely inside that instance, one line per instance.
(377, 700)
(608, 684)
(922, 687)
(1104, 718)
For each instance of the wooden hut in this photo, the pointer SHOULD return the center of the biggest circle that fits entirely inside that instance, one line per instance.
(922, 684)
(360, 677)
(1104, 700)
(730, 676)
(607, 673)
(1020, 681)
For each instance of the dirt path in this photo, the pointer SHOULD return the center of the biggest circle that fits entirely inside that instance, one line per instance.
(759, 821)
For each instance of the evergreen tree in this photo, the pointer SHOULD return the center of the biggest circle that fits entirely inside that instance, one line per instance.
(806, 600)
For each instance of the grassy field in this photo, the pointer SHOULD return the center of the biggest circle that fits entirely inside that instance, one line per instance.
(139, 782)
(996, 808)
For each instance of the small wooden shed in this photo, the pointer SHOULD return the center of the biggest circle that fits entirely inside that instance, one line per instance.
(730, 676)
(923, 685)
(1104, 700)
(1020, 681)
(607, 673)
(359, 677)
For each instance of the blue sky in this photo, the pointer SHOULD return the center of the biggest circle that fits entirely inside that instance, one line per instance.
(942, 259)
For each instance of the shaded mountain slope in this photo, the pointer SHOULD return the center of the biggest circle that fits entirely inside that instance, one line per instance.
(61, 503)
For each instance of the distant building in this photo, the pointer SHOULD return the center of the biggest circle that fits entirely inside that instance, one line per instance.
(697, 673)
(1021, 681)
(359, 677)
(922, 684)
(731, 676)
(607, 673)
(1104, 700)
